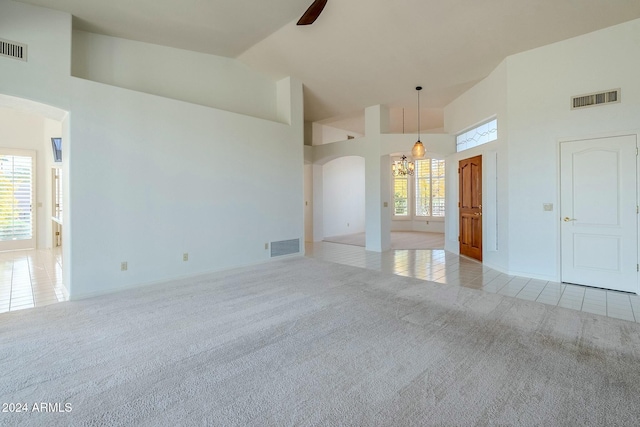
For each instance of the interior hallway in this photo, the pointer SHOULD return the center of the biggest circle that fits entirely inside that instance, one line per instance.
(30, 278)
(450, 269)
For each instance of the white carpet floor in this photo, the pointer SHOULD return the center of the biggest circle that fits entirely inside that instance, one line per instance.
(305, 342)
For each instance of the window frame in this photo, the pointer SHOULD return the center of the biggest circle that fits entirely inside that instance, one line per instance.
(412, 195)
(442, 176)
(395, 216)
(476, 127)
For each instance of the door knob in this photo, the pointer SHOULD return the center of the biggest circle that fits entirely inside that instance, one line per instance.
(567, 219)
(477, 214)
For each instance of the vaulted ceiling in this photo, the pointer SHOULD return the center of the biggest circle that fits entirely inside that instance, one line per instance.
(359, 52)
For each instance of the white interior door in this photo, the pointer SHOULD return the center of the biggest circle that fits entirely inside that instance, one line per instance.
(599, 212)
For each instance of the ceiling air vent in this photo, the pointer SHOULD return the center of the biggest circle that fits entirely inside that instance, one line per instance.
(13, 50)
(593, 99)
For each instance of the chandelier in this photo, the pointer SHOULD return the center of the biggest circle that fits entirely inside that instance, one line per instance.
(402, 167)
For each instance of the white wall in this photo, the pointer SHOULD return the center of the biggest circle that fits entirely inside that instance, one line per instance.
(25, 131)
(530, 94)
(343, 196)
(540, 84)
(198, 78)
(162, 177)
(45, 76)
(324, 134)
(485, 100)
(150, 177)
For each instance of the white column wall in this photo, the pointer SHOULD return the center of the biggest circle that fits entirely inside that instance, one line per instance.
(378, 206)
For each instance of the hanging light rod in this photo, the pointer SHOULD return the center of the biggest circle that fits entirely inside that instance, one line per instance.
(418, 151)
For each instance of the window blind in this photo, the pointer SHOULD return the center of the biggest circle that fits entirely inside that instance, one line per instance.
(16, 191)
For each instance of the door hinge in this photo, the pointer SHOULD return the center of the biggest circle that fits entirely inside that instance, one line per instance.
(637, 267)
(458, 238)
(459, 168)
(458, 204)
(636, 151)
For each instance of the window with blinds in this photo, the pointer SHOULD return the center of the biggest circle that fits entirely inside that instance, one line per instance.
(401, 196)
(429, 178)
(16, 195)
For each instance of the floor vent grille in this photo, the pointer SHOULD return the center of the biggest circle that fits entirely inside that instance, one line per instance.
(285, 247)
(593, 99)
(13, 50)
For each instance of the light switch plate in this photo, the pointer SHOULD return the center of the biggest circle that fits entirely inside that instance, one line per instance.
(548, 207)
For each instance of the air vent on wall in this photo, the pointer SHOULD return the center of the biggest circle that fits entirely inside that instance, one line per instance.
(285, 247)
(593, 99)
(13, 50)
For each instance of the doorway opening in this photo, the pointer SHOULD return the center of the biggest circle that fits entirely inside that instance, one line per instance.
(31, 195)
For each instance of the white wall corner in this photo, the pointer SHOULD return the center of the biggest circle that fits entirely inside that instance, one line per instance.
(289, 103)
(376, 120)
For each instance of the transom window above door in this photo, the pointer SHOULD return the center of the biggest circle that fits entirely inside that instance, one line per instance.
(479, 135)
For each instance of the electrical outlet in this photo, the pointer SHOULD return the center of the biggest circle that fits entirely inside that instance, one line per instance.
(347, 224)
(123, 266)
(266, 246)
(185, 256)
(427, 222)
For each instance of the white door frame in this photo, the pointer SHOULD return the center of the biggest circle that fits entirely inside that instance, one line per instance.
(636, 135)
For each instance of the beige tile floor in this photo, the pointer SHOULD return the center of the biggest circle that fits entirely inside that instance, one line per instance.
(447, 268)
(33, 278)
(30, 278)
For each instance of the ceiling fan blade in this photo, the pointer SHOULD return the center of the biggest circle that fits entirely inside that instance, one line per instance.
(312, 13)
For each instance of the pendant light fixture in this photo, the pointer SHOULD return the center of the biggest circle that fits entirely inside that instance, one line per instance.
(402, 167)
(418, 150)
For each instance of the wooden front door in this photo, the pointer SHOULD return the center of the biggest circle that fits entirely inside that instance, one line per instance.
(470, 178)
